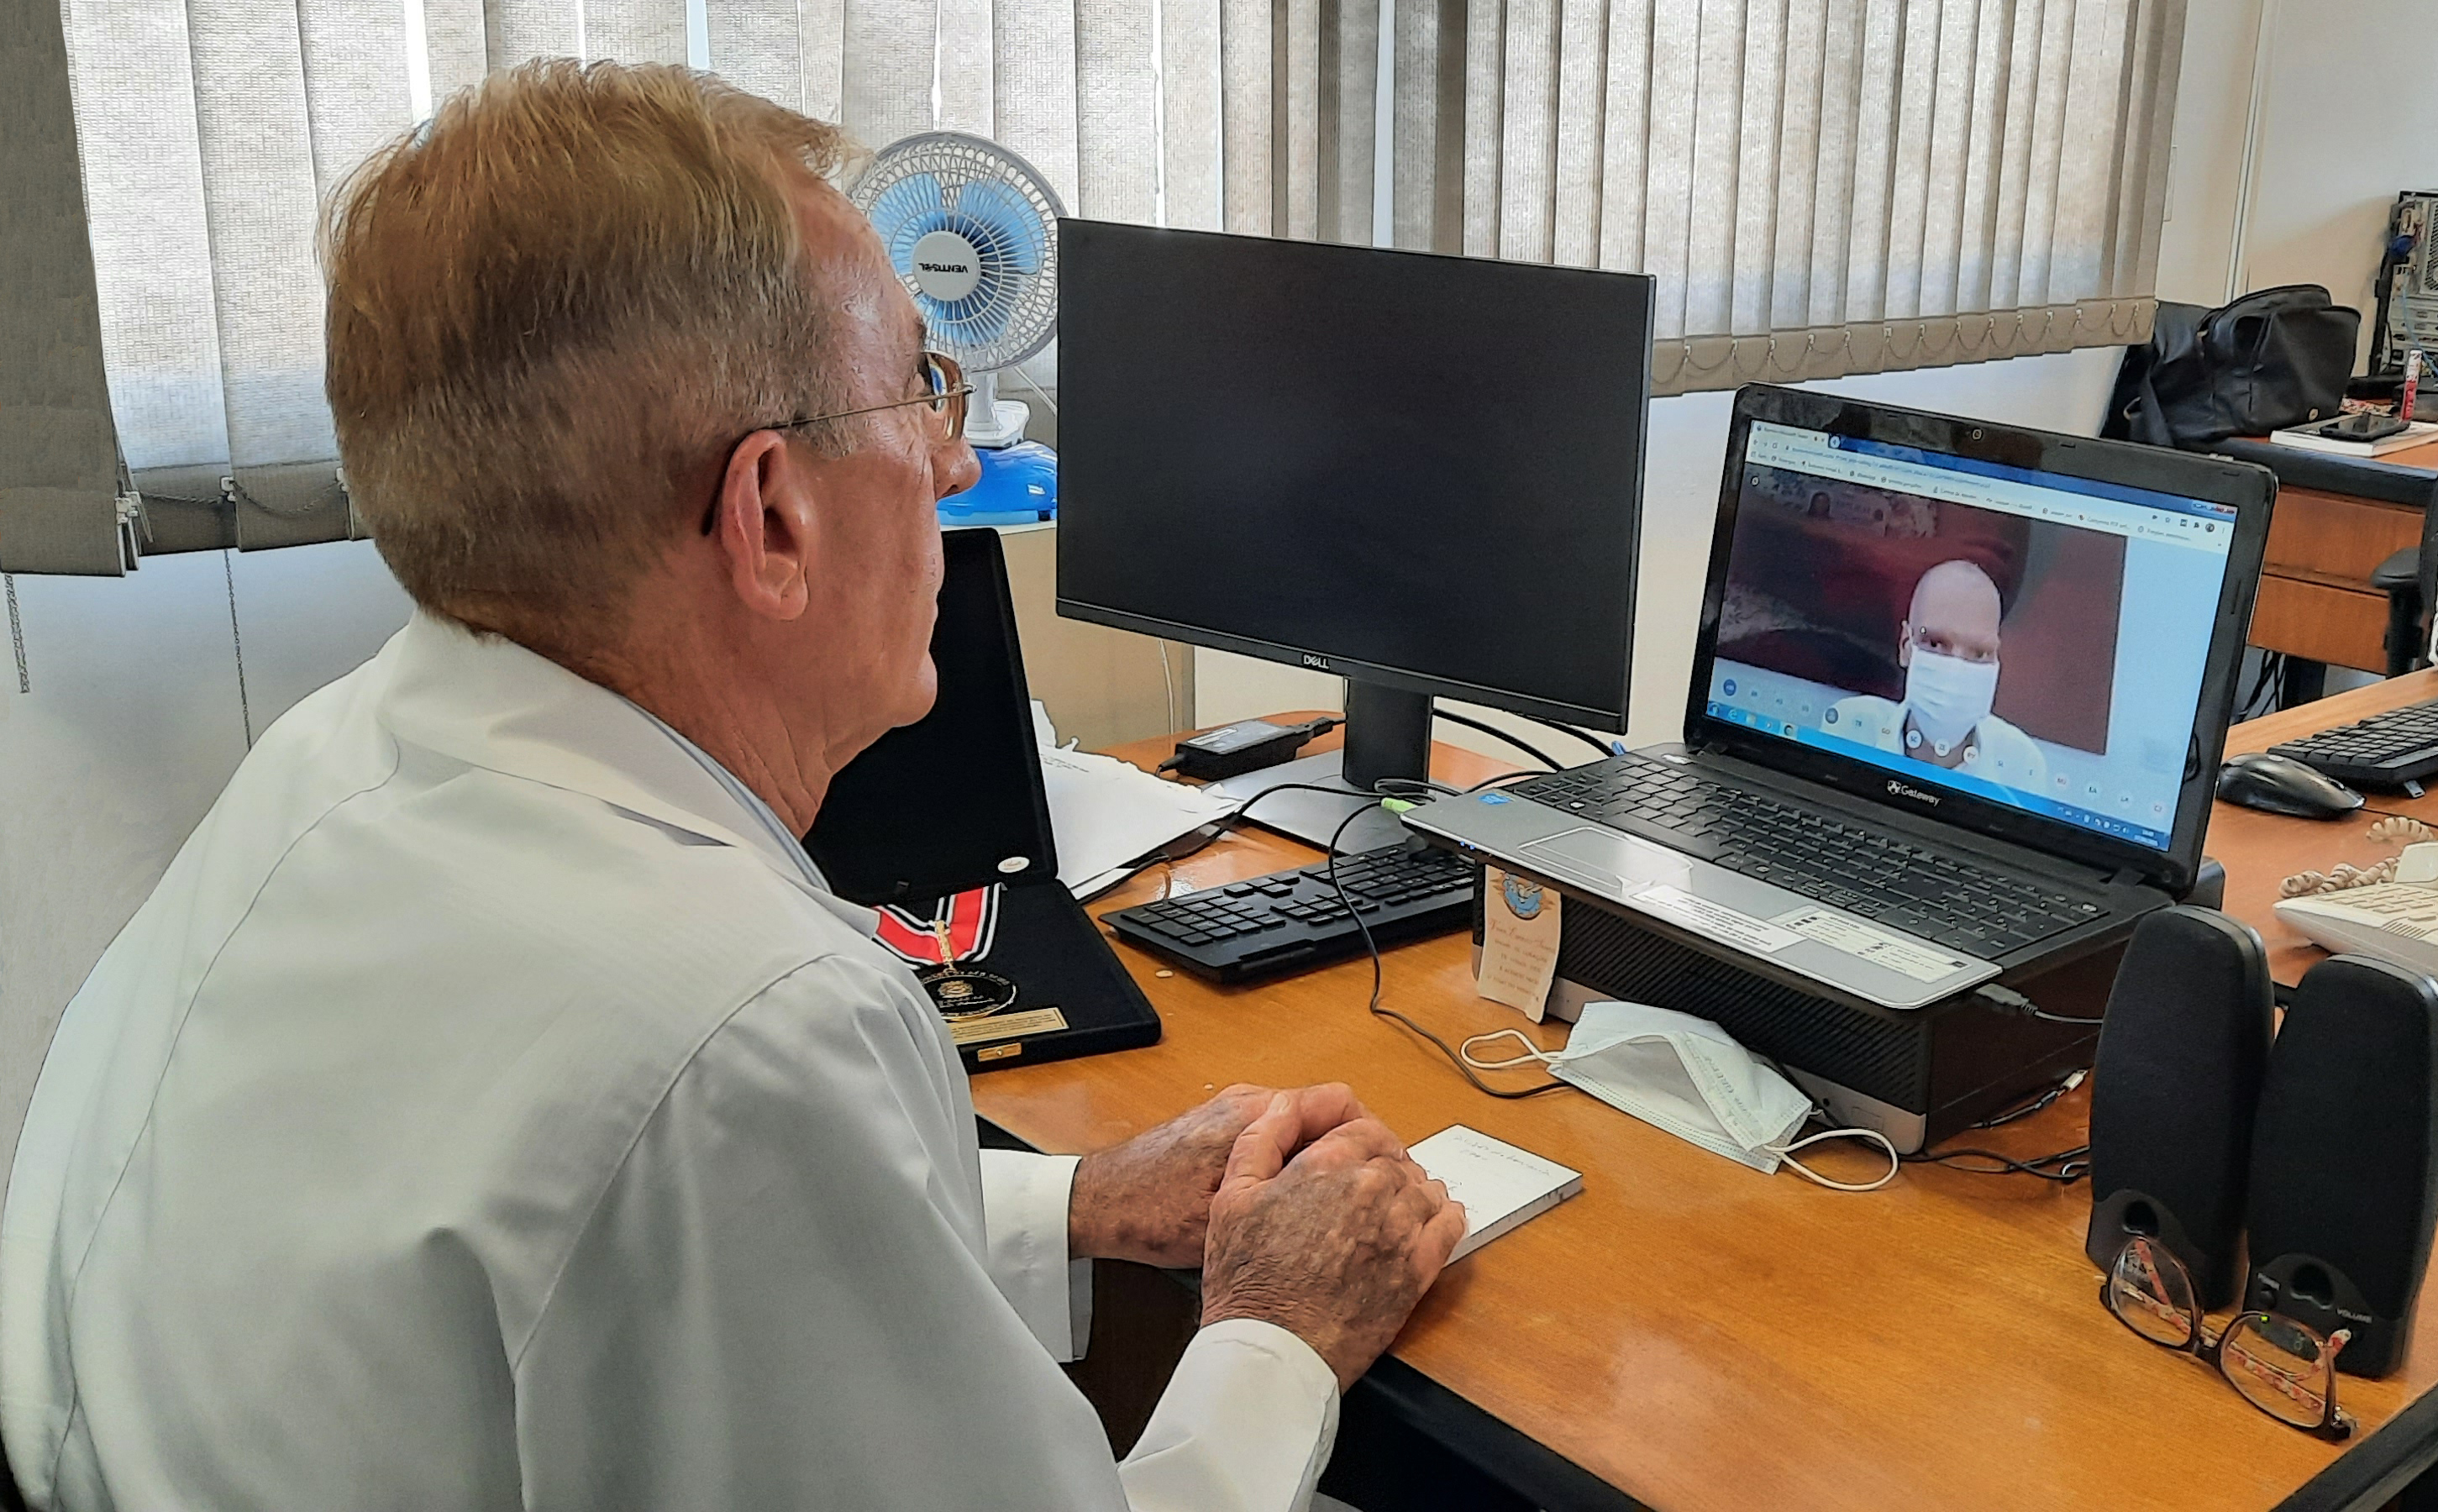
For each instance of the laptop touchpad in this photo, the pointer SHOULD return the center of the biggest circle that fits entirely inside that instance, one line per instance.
(1604, 854)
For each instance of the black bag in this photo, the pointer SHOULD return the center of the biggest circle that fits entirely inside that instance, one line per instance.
(2274, 359)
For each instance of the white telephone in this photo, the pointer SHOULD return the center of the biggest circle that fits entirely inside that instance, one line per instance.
(2394, 921)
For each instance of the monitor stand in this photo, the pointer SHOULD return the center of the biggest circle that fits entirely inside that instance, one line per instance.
(1387, 735)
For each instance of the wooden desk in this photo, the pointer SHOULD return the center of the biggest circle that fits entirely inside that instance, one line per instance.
(2260, 850)
(1699, 1336)
(2337, 519)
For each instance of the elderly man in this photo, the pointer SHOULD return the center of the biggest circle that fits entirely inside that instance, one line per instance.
(492, 1107)
(1948, 647)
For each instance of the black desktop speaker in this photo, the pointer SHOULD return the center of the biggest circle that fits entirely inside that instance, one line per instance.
(2182, 1052)
(2345, 1155)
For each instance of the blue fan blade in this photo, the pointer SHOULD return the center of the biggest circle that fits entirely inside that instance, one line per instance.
(1010, 220)
(904, 201)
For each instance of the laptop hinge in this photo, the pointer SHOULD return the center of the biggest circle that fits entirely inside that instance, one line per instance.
(2128, 877)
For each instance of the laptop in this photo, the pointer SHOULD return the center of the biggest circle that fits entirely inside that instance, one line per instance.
(1957, 703)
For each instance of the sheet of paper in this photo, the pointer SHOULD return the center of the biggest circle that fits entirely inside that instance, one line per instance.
(1519, 942)
(1105, 813)
(1500, 1185)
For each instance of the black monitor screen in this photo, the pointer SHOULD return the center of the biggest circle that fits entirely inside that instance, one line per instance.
(1416, 470)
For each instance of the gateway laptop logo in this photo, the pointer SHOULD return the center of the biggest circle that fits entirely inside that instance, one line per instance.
(1906, 790)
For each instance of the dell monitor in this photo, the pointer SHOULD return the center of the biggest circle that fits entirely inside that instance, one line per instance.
(1420, 473)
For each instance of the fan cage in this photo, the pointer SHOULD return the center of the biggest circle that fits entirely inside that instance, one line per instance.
(1012, 313)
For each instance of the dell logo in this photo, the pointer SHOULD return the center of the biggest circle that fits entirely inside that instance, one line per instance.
(1316, 664)
(1906, 790)
(945, 266)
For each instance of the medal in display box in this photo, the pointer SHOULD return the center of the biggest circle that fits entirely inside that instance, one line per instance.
(944, 827)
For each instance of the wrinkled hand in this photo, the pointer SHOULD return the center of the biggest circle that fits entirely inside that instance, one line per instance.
(1335, 1241)
(1149, 1199)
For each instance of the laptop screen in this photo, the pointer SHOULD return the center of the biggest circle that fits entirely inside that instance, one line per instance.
(2027, 637)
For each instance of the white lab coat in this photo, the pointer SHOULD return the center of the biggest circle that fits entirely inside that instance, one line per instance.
(491, 1109)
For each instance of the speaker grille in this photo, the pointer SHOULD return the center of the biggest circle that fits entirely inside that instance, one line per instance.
(1880, 1058)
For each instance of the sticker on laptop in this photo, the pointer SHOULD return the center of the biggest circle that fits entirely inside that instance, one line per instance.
(1868, 943)
(1717, 921)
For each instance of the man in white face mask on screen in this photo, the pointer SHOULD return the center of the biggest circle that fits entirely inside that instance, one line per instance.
(1947, 645)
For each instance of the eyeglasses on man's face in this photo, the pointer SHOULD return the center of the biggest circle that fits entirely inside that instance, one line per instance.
(944, 404)
(2280, 1367)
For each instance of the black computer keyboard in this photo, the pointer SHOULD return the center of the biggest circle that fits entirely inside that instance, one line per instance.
(1288, 921)
(1863, 872)
(2397, 750)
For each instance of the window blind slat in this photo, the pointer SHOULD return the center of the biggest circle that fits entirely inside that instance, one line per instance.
(1298, 148)
(1757, 208)
(1485, 65)
(2086, 169)
(1034, 90)
(1582, 81)
(518, 31)
(1117, 142)
(1875, 144)
(1976, 227)
(1711, 190)
(454, 48)
(355, 90)
(2035, 286)
(1247, 149)
(1948, 156)
(635, 31)
(2015, 159)
(1668, 174)
(1843, 59)
(131, 66)
(1908, 195)
(256, 148)
(1349, 118)
(1625, 141)
(1798, 163)
(1415, 167)
(968, 92)
(1191, 114)
(754, 46)
(1527, 131)
(887, 66)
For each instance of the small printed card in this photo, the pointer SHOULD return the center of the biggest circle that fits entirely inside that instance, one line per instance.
(1519, 942)
(1500, 1185)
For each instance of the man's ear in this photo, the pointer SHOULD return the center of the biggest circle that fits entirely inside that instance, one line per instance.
(768, 531)
(1904, 643)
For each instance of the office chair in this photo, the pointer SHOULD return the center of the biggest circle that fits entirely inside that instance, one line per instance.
(2409, 580)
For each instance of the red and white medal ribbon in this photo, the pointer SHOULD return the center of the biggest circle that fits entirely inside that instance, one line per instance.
(958, 929)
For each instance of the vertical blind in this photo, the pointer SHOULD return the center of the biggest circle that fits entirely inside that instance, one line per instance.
(1819, 186)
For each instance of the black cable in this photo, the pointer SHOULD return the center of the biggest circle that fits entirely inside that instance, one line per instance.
(1597, 744)
(1345, 901)
(1495, 734)
(2072, 1164)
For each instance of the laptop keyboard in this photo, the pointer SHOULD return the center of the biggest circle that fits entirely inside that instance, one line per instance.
(1863, 872)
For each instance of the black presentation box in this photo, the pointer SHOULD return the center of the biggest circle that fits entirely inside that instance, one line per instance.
(954, 802)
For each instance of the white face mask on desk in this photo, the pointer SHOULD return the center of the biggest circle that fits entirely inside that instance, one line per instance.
(1689, 1077)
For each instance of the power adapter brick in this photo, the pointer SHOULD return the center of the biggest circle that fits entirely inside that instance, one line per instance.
(1247, 745)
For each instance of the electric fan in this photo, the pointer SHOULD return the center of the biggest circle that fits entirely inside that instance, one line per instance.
(973, 231)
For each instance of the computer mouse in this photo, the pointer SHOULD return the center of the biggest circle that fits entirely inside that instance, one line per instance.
(2281, 784)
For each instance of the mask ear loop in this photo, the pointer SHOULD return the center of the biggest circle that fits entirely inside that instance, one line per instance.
(1532, 1052)
(1786, 1152)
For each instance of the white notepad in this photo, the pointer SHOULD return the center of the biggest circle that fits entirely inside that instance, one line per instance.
(1499, 1185)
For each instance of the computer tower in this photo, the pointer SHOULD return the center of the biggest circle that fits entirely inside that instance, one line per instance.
(1917, 1076)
